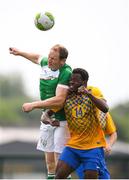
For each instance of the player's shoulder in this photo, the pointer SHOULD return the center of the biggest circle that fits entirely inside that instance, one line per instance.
(94, 90)
(66, 68)
(43, 61)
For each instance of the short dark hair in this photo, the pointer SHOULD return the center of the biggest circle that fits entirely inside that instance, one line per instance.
(84, 74)
(63, 52)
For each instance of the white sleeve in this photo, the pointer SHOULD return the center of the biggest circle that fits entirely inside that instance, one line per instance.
(63, 86)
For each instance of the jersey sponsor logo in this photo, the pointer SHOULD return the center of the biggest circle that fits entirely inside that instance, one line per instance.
(42, 142)
(47, 73)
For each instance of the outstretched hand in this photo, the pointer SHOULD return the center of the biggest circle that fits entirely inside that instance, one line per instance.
(27, 107)
(13, 51)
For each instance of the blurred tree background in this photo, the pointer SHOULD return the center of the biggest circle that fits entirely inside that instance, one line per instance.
(12, 96)
(120, 114)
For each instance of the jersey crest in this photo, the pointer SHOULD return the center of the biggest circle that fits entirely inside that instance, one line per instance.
(48, 74)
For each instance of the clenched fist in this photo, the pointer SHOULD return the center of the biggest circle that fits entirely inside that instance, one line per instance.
(14, 51)
(27, 107)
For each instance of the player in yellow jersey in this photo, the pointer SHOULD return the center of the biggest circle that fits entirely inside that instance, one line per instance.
(109, 129)
(85, 146)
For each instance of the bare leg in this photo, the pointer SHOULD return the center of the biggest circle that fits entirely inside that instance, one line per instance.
(50, 162)
(63, 170)
(56, 157)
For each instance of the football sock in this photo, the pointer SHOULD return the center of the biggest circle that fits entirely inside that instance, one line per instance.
(69, 177)
(50, 176)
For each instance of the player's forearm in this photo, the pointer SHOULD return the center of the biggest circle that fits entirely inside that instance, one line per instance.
(100, 103)
(51, 103)
(30, 56)
(112, 139)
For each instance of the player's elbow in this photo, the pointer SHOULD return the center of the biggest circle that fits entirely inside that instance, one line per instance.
(106, 109)
(36, 59)
(104, 106)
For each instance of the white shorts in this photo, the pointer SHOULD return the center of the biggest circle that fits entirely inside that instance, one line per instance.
(53, 139)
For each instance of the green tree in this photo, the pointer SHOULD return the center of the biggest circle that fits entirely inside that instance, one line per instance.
(12, 96)
(120, 114)
(11, 86)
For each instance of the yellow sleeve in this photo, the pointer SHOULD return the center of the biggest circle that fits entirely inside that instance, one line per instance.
(96, 92)
(56, 109)
(110, 126)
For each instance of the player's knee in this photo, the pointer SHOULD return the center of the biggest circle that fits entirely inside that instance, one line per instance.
(91, 174)
(62, 171)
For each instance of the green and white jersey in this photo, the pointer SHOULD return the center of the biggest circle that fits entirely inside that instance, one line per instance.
(49, 80)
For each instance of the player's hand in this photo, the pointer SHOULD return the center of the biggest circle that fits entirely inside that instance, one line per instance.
(45, 118)
(55, 123)
(13, 51)
(82, 89)
(108, 149)
(27, 107)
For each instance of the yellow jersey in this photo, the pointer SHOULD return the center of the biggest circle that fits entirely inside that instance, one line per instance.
(83, 121)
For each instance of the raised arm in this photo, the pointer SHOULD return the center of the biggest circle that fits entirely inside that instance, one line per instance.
(99, 103)
(30, 56)
(51, 103)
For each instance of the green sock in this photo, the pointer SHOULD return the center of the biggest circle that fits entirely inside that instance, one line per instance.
(50, 176)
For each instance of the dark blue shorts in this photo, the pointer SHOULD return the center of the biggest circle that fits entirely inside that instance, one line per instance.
(82, 160)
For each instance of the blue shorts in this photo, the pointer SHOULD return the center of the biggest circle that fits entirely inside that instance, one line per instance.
(82, 160)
